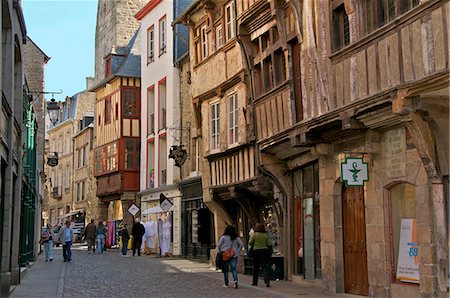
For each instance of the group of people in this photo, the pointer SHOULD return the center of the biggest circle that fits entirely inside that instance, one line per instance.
(260, 246)
(64, 236)
(93, 232)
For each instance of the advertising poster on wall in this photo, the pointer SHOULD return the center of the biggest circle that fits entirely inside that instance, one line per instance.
(408, 253)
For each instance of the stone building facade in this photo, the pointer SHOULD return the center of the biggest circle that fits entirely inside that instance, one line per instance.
(85, 185)
(13, 33)
(60, 204)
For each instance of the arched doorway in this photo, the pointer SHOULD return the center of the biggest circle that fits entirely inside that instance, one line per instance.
(354, 241)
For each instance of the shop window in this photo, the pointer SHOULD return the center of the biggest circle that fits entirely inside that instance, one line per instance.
(307, 222)
(402, 199)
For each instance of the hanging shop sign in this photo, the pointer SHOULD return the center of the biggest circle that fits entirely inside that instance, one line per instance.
(408, 252)
(133, 209)
(164, 203)
(354, 171)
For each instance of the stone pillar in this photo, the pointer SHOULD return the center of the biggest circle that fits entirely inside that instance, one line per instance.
(128, 218)
(102, 210)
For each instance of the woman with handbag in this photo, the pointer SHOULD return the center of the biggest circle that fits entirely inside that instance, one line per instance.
(47, 241)
(262, 252)
(230, 246)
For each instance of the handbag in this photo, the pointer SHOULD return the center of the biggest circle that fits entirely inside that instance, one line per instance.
(219, 262)
(229, 253)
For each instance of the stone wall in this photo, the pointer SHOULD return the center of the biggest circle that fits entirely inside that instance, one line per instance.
(115, 26)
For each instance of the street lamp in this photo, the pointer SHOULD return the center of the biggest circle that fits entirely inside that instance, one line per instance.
(53, 110)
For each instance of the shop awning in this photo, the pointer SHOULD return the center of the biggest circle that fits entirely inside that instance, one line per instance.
(71, 213)
(156, 209)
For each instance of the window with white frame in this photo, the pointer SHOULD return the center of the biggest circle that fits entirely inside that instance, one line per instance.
(233, 119)
(212, 46)
(204, 42)
(219, 36)
(162, 35)
(150, 44)
(229, 21)
(215, 125)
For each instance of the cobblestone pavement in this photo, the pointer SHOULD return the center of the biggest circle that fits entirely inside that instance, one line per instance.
(111, 275)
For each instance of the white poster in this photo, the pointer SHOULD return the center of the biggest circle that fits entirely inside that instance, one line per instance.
(408, 253)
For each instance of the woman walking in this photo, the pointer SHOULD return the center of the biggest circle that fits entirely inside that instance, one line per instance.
(47, 241)
(262, 252)
(101, 236)
(229, 240)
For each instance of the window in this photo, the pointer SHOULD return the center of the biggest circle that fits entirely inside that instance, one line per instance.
(130, 103)
(162, 93)
(59, 182)
(67, 182)
(83, 156)
(79, 158)
(215, 134)
(151, 110)
(108, 108)
(68, 141)
(78, 192)
(150, 164)
(150, 44)
(219, 36)
(162, 161)
(162, 36)
(204, 43)
(83, 191)
(106, 159)
(229, 21)
(132, 154)
(341, 28)
(402, 199)
(233, 122)
(111, 152)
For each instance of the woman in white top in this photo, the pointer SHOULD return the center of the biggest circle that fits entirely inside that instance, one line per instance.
(228, 240)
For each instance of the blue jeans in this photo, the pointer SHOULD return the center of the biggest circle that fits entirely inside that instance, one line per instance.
(67, 252)
(232, 263)
(100, 244)
(48, 248)
(124, 247)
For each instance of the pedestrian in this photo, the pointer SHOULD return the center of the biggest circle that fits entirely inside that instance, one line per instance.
(89, 234)
(47, 241)
(229, 240)
(101, 237)
(65, 236)
(125, 237)
(262, 252)
(137, 231)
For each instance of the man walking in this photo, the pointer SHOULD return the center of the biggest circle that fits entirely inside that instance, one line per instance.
(89, 234)
(137, 231)
(125, 237)
(65, 236)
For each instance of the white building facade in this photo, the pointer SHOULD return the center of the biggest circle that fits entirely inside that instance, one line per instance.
(160, 114)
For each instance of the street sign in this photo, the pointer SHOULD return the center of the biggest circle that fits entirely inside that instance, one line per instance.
(354, 172)
(133, 209)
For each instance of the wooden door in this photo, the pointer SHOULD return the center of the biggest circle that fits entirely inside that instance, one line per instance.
(355, 252)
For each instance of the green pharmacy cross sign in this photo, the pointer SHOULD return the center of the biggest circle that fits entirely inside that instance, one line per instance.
(354, 172)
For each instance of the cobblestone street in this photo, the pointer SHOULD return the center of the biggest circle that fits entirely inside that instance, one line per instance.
(111, 275)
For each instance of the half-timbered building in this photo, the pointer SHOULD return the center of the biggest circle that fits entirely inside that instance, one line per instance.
(117, 132)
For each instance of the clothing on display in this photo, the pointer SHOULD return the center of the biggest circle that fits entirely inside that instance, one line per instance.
(166, 229)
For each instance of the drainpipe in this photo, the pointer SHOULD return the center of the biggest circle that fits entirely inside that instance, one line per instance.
(249, 68)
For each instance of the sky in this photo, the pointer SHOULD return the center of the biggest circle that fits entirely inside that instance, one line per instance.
(65, 31)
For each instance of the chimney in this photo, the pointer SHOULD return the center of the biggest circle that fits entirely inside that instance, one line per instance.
(89, 82)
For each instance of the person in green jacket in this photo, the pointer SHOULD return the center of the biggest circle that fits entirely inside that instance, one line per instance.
(262, 248)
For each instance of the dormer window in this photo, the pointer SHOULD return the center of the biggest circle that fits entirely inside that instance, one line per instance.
(108, 67)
